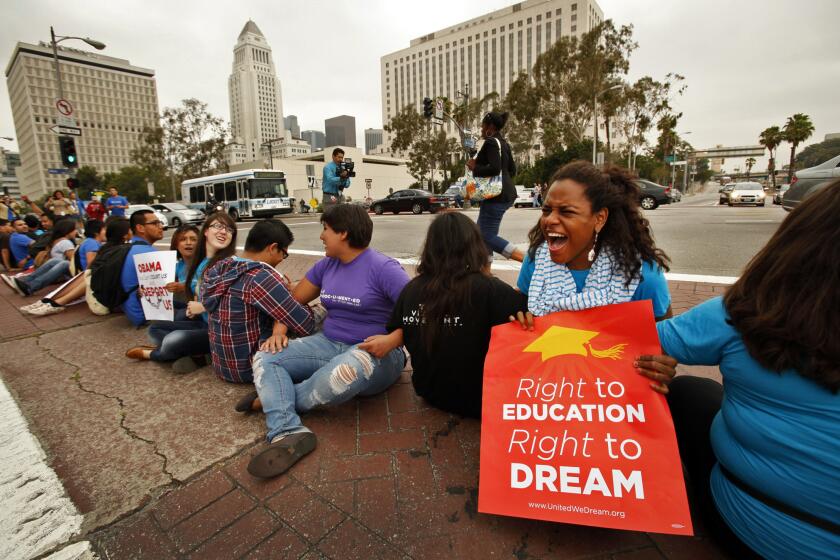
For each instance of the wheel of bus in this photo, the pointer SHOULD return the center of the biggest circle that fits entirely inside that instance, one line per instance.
(176, 222)
(417, 208)
(378, 210)
(234, 214)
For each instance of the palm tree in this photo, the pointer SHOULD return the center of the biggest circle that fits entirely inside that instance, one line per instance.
(798, 128)
(749, 164)
(770, 138)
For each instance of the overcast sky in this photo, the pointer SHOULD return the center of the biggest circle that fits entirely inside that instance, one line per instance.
(748, 64)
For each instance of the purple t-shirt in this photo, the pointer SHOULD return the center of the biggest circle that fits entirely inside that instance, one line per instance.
(359, 296)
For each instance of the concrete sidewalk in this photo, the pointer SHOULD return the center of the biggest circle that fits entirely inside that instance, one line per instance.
(155, 462)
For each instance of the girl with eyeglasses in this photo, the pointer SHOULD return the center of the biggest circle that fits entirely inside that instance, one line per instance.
(185, 342)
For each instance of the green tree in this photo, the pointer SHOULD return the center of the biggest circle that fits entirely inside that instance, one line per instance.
(188, 143)
(770, 138)
(798, 128)
(427, 148)
(749, 163)
(130, 182)
(818, 153)
(89, 181)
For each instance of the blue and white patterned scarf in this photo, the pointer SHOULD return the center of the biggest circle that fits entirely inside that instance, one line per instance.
(553, 287)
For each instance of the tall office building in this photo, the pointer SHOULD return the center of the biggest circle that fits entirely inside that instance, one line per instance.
(374, 139)
(486, 53)
(111, 101)
(316, 139)
(256, 105)
(341, 131)
(292, 125)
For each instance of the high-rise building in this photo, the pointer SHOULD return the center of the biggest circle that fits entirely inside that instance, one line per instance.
(111, 102)
(292, 125)
(316, 139)
(256, 104)
(485, 53)
(341, 131)
(374, 139)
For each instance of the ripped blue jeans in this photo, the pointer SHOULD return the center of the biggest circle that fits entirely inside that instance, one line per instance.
(314, 372)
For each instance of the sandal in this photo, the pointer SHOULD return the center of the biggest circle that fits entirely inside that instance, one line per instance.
(281, 454)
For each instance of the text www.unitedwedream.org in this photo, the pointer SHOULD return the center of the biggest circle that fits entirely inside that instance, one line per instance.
(586, 510)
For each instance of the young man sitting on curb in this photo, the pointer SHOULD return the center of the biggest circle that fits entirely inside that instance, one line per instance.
(147, 230)
(246, 300)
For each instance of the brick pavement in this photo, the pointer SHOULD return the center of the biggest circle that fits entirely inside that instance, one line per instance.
(391, 478)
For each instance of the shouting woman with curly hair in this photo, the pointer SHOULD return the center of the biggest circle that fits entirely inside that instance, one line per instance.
(592, 246)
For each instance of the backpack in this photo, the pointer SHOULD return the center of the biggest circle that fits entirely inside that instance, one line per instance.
(106, 273)
(41, 243)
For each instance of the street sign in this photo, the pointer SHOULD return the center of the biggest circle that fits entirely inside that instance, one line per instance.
(439, 109)
(66, 130)
(66, 121)
(64, 107)
(311, 181)
(678, 162)
(150, 187)
(54, 171)
(368, 182)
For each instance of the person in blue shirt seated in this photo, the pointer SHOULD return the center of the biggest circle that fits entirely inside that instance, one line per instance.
(116, 204)
(19, 242)
(334, 183)
(184, 242)
(762, 451)
(592, 246)
(147, 230)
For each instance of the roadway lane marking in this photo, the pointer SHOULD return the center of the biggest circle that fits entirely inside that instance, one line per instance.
(37, 515)
(750, 221)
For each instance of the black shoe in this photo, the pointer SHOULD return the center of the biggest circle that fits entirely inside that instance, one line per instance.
(246, 403)
(281, 454)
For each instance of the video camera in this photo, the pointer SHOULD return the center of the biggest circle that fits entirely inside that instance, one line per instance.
(346, 165)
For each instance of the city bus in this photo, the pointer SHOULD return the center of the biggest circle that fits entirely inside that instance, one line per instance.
(254, 193)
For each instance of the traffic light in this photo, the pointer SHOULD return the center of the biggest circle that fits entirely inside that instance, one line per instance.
(67, 145)
(428, 111)
(72, 183)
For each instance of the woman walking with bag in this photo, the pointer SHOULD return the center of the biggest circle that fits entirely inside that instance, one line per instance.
(495, 158)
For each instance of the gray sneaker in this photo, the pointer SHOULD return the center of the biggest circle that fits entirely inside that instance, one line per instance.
(46, 309)
(12, 283)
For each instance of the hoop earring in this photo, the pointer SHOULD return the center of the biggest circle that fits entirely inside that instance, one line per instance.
(591, 255)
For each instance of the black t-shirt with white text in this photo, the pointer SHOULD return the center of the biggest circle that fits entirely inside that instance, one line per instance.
(450, 375)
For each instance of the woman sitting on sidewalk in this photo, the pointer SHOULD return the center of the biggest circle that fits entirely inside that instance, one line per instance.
(74, 290)
(591, 246)
(184, 242)
(445, 315)
(57, 268)
(762, 450)
(358, 286)
(186, 341)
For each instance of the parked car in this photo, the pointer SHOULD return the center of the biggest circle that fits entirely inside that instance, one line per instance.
(808, 181)
(410, 200)
(456, 195)
(177, 214)
(724, 193)
(780, 193)
(747, 193)
(524, 198)
(132, 208)
(652, 194)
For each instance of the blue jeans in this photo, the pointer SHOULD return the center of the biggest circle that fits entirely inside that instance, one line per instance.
(51, 271)
(489, 220)
(176, 339)
(314, 372)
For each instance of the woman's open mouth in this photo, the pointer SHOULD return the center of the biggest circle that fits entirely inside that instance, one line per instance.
(556, 241)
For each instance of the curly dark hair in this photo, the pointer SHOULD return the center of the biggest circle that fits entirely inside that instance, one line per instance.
(785, 303)
(453, 255)
(626, 231)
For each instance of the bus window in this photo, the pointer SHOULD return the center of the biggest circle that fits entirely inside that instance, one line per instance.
(192, 195)
(219, 191)
(197, 194)
(268, 188)
(230, 191)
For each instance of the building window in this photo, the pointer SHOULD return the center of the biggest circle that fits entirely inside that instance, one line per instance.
(574, 7)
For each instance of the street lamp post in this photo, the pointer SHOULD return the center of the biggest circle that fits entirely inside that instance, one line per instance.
(54, 41)
(674, 161)
(595, 117)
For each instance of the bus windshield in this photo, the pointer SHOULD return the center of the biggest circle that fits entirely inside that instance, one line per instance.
(267, 188)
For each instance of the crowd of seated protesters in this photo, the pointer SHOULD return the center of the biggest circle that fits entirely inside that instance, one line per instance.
(759, 489)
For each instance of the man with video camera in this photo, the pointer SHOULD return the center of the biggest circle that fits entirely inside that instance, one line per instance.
(336, 178)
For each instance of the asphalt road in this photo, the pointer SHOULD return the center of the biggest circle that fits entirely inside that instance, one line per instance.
(698, 235)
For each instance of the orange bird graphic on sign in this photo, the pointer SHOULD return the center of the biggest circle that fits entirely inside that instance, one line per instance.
(562, 341)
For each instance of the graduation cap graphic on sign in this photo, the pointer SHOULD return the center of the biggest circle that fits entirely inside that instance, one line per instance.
(563, 341)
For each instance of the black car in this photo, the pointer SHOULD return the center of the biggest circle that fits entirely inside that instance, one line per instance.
(410, 200)
(652, 194)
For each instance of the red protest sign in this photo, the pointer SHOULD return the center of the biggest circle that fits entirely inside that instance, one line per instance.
(571, 433)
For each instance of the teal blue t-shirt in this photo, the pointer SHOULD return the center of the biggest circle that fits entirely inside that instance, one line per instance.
(653, 285)
(778, 432)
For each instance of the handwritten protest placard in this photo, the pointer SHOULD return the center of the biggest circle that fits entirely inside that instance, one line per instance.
(571, 433)
(154, 271)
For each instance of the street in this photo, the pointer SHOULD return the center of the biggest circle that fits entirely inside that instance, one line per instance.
(699, 236)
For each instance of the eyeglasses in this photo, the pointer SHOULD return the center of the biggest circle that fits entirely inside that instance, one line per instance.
(222, 227)
(285, 253)
(153, 223)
